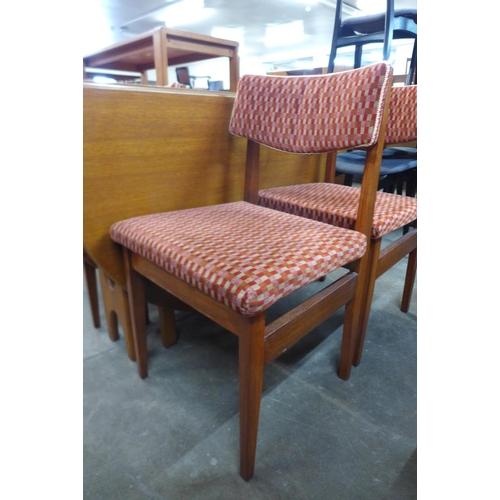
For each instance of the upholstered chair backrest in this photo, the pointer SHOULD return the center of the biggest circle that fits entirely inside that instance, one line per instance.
(402, 119)
(312, 114)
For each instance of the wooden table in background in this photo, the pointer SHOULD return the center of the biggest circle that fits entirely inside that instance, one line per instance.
(163, 47)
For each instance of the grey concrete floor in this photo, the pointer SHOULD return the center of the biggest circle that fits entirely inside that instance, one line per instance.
(174, 435)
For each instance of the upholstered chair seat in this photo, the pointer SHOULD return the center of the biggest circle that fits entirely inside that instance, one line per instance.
(338, 205)
(245, 256)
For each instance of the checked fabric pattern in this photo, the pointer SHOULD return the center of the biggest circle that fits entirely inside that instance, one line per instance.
(338, 205)
(312, 114)
(243, 255)
(402, 119)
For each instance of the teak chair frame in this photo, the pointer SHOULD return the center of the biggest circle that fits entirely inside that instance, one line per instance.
(259, 344)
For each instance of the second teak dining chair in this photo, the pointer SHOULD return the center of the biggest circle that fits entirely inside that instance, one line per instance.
(231, 262)
(339, 205)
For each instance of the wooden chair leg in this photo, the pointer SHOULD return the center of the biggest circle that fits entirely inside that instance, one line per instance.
(167, 305)
(137, 299)
(167, 326)
(368, 286)
(251, 370)
(411, 271)
(116, 308)
(251, 362)
(351, 315)
(91, 281)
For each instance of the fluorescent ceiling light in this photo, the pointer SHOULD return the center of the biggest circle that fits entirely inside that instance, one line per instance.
(281, 34)
(187, 11)
(308, 4)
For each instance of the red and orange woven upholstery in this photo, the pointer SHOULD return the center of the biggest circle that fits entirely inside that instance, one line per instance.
(242, 255)
(312, 114)
(338, 205)
(402, 119)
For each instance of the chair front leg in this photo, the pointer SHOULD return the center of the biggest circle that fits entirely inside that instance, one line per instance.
(167, 326)
(251, 370)
(351, 315)
(137, 299)
(411, 271)
(368, 285)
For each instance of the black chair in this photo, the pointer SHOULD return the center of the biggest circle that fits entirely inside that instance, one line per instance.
(383, 27)
(399, 165)
(185, 78)
(398, 168)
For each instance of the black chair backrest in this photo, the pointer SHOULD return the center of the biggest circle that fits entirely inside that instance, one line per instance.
(389, 17)
(382, 27)
(183, 76)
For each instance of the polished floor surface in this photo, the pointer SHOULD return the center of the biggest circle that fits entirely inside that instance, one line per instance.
(174, 435)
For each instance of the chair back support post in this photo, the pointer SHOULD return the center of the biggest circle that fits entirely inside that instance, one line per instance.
(369, 185)
(252, 170)
(331, 159)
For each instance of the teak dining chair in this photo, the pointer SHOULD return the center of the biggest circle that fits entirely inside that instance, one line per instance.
(231, 262)
(339, 205)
